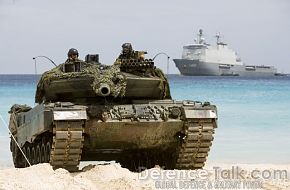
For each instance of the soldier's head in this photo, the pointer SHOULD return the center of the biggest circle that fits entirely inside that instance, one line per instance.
(72, 54)
(127, 48)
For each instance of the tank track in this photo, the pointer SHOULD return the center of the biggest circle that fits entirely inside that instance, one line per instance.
(67, 144)
(190, 153)
(195, 146)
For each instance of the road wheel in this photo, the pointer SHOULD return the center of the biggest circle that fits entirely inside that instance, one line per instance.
(48, 149)
(33, 156)
(25, 153)
(43, 156)
(28, 154)
(37, 155)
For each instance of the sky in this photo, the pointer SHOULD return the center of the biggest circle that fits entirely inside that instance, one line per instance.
(258, 30)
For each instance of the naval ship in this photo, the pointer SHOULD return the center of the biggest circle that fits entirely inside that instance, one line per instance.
(203, 59)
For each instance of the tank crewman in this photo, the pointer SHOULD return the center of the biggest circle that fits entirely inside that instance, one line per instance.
(129, 53)
(73, 63)
(72, 55)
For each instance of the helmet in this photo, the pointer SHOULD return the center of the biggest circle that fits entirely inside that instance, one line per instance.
(127, 47)
(72, 51)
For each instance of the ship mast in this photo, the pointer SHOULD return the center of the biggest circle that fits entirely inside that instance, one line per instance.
(199, 37)
(218, 36)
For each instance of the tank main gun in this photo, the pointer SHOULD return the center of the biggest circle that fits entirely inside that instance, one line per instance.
(104, 90)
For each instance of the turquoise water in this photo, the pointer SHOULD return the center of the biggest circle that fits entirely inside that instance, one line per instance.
(254, 114)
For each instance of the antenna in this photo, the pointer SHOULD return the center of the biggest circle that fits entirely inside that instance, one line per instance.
(35, 65)
(34, 58)
(162, 53)
(45, 58)
(200, 39)
(218, 36)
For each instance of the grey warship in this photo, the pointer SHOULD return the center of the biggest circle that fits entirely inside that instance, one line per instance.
(203, 59)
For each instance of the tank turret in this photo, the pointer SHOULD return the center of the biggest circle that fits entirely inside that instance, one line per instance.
(131, 78)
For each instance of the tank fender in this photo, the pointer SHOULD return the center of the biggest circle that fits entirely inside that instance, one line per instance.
(190, 112)
(70, 114)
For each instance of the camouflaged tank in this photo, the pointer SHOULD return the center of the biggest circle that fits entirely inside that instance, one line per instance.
(92, 112)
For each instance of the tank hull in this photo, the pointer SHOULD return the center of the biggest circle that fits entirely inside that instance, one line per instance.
(67, 134)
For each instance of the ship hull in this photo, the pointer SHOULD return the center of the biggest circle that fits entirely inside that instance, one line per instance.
(200, 68)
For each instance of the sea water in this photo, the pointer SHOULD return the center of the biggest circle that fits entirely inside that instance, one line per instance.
(253, 114)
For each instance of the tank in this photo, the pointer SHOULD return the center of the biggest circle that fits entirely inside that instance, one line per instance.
(87, 111)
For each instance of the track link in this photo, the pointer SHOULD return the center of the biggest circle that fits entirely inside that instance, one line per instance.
(67, 144)
(193, 151)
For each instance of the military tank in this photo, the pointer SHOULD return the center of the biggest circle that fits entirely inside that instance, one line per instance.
(87, 111)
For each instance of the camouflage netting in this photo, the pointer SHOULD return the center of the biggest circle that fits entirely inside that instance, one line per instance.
(164, 84)
(100, 74)
(144, 67)
(17, 108)
(113, 77)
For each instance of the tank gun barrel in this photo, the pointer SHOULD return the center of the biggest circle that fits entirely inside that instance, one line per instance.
(104, 90)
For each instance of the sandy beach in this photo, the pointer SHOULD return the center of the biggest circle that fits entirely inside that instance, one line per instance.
(113, 176)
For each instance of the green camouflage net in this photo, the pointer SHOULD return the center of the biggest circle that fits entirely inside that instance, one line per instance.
(164, 85)
(113, 77)
(145, 67)
(17, 108)
(101, 74)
